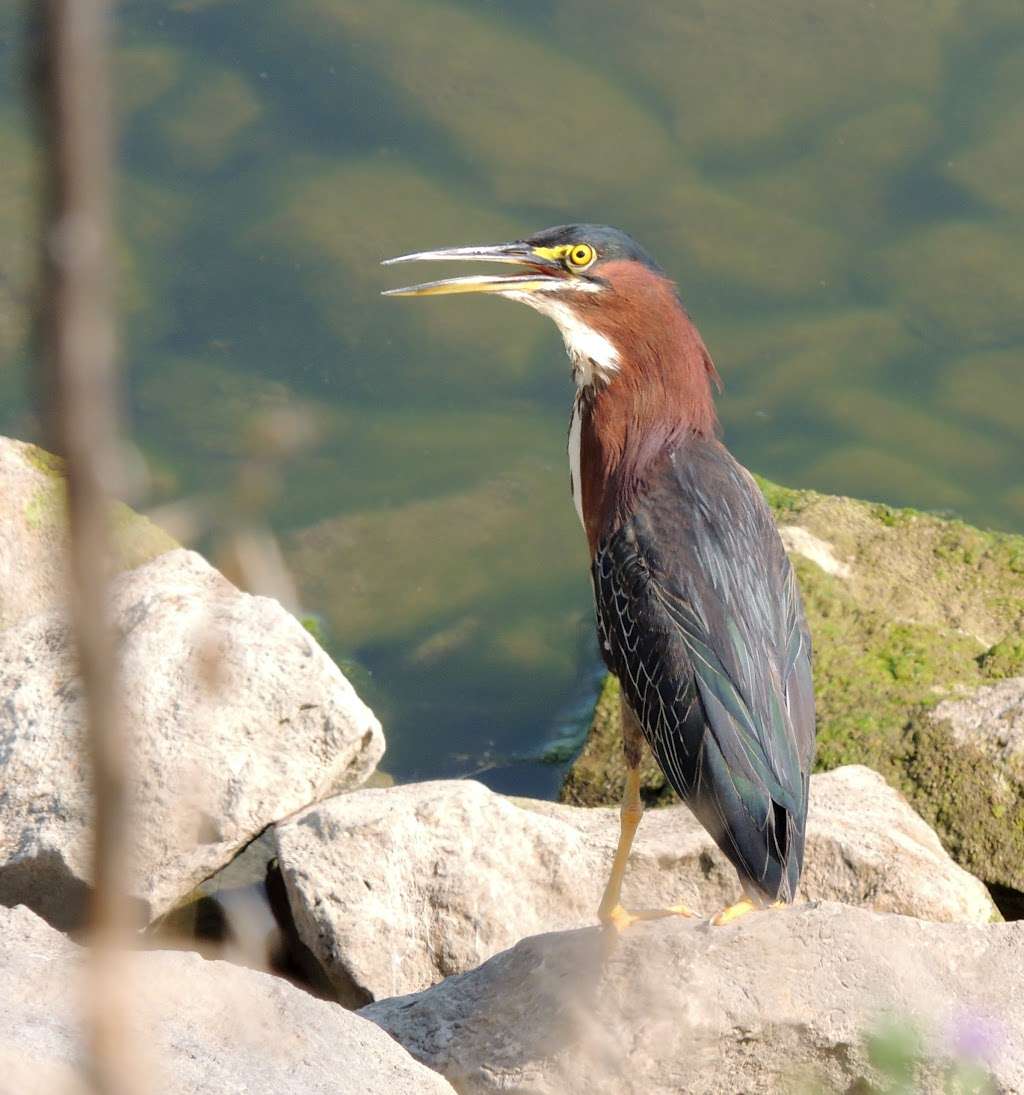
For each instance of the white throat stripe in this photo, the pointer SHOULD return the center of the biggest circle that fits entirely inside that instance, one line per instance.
(593, 356)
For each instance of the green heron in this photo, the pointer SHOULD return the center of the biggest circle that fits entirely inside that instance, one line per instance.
(698, 612)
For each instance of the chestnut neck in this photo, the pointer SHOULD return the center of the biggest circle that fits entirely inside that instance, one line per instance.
(660, 394)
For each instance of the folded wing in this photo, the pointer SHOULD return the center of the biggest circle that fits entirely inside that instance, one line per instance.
(700, 617)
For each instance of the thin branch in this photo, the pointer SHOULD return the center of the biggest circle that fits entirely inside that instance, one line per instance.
(81, 396)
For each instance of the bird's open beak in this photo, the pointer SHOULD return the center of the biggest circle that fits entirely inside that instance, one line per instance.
(544, 270)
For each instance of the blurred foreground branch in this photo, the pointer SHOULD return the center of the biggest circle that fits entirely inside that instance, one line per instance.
(79, 385)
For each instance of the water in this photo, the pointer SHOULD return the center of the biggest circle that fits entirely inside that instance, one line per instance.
(838, 189)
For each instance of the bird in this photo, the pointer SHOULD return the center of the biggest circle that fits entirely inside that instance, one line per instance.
(697, 608)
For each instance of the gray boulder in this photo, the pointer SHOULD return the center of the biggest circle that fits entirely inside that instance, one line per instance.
(778, 1001)
(197, 1027)
(394, 890)
(237, 718)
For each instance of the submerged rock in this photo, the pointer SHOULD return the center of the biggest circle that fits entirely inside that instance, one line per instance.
(779, 1001)
(197, 1027)
(394, 890)
(906, 610)
(237, 718)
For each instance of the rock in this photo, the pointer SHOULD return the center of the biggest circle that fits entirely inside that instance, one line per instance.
(394, 890)
(196, 1026)
(33, 533)
(778, 1001)
(969, 769)
(992, 721)
(237, 718)
(908, 610)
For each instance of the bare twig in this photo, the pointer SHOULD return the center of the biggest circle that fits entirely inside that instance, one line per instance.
(80, 386)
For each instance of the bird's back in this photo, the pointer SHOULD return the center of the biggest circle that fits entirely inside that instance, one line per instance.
(700, 618)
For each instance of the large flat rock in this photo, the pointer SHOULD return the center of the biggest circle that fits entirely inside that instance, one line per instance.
(236, 716)
(394, 890)
(778, 1001)
(197, 1027)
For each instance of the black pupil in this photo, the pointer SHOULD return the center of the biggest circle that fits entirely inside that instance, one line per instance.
(581, 255)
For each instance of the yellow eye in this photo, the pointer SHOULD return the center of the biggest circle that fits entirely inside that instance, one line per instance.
(581, 255)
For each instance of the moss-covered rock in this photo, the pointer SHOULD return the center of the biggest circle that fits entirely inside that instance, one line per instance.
(33, 532)
(906, 609)
(975, 801)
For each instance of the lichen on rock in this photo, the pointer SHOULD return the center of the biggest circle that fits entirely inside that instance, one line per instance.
(33, 532)
(928, 608)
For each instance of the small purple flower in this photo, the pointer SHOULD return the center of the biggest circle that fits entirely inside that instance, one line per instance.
(976, 1037)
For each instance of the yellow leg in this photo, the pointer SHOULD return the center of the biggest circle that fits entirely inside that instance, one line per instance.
(610, 910)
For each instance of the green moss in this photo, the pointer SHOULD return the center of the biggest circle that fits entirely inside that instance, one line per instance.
(598, 775)
(46, 506)
(979, 818)
(135, 538)
(870, 671)
(1004, 659)
(891, 516)
(46, 462)
(315, 626)
(784, 501)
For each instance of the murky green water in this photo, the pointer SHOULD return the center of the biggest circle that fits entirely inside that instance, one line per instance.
(837, 186)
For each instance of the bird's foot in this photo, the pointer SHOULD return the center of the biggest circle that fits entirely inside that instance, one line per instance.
(620, 919)
(740, 909)
(617, 918)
